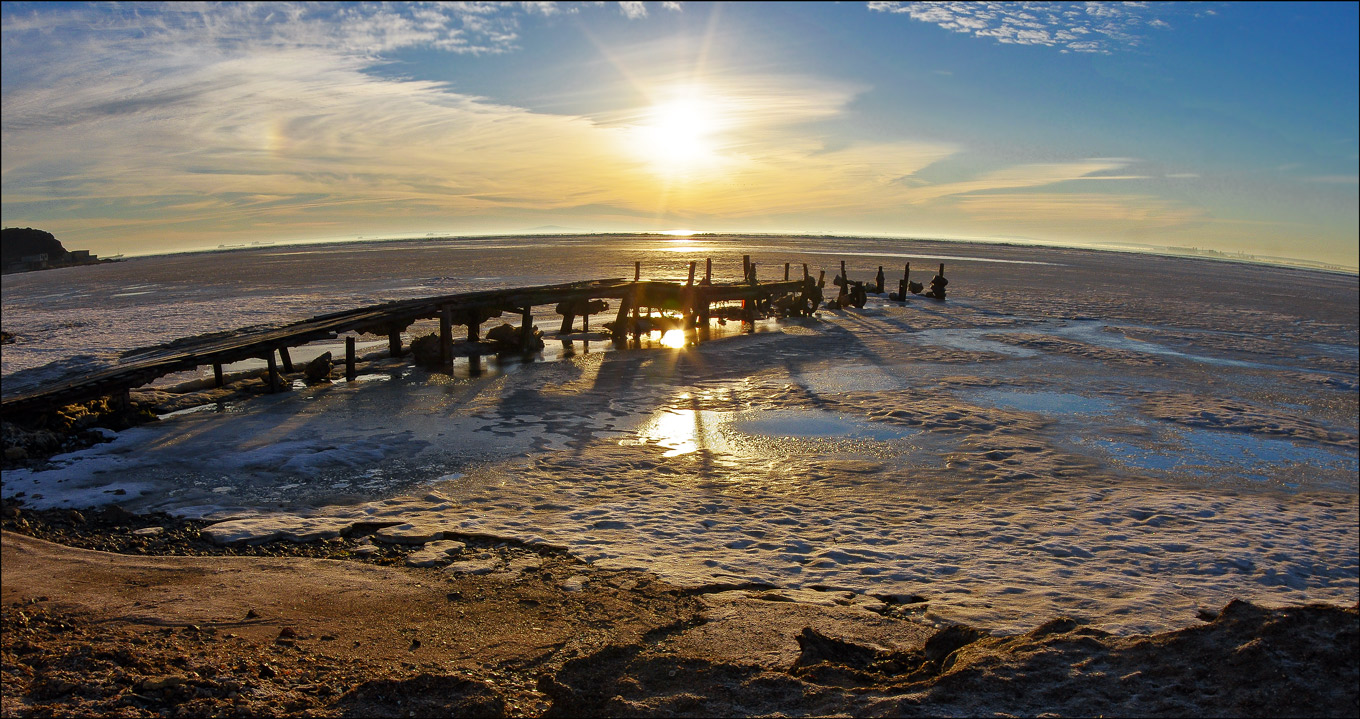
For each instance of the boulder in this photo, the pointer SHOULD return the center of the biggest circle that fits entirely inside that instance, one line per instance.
(319, 369)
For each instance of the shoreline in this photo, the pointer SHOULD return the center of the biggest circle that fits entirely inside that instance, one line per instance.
(89, 632)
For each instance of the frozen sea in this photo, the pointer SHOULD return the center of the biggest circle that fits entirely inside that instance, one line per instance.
(1116, 437)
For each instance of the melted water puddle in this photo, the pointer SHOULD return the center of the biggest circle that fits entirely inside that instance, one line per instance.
(766, 432)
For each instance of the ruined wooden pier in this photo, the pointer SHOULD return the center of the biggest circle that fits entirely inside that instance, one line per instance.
(691, 301)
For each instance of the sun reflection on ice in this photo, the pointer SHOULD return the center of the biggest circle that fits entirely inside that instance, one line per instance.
(681, 431)
(674, 339)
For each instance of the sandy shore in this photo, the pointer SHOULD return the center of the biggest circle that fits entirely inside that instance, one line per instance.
(95, 633)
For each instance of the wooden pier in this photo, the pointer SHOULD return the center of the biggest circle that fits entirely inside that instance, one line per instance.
(691, 301)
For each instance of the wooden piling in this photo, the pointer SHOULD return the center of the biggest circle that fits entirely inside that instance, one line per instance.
(473, 328)
(350, 372)
(786, 272)
(806, 275)
(526, 328)
(446, 336)
(394, 342)
(637, 271)
(692, 266)
(708, 271)
(621, 318)
(273, 374)
(217, 374)
(287, 360)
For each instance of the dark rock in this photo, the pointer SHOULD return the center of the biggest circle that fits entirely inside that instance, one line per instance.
(425, 350)
(424, 695)
(949, 640)
(817, 648)
(319, 369)
(506, 338)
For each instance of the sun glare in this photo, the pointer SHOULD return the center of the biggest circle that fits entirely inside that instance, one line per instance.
(678, 135)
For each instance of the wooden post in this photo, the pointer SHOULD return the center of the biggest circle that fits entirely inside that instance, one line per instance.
(474, 363)
(637, 271)
(708, 271)
(526, 328)
(845, 283)
(217, 373)
(621, 319)
(585, 318)
(350, 374)
(287, 361)
(472, 326)
(273, 374)
(745, 268)
(906, 274)
(821, 278)
(446, 337)
(687, 322)
(786, 272)
(394, 342)
(752, 278)
(806, 275)
(942, 269)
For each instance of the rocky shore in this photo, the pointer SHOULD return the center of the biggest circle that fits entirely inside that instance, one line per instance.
(106, 613)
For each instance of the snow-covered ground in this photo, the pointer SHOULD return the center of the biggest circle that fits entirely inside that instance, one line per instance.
(1120, 438)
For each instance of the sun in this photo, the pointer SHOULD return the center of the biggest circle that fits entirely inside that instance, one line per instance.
(679, 134)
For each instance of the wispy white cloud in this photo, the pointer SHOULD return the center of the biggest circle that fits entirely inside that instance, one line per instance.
(1088, 27)
(1080, 209)
(633, 10)
(1020, 176)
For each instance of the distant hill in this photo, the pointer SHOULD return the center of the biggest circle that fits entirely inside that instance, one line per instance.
(18, 242)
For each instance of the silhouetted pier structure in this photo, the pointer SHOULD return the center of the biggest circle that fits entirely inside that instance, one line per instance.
(691, 300)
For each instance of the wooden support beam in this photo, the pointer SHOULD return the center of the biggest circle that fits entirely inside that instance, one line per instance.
(287, 360)
(621, 319)
(526, 328)
(273, 374)
(446, 337)
(217, 374)
(350, 373)
(786, 272)
(473, 326)
(394, 341)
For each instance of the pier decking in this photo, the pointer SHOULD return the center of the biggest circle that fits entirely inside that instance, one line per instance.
(692, 300)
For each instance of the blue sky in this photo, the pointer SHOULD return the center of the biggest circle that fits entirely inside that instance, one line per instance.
(148, 127)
